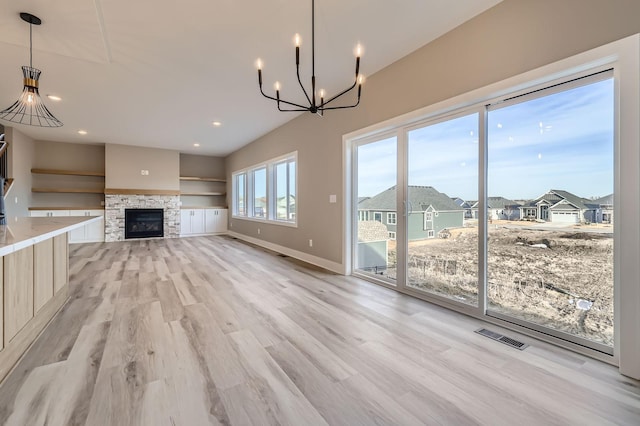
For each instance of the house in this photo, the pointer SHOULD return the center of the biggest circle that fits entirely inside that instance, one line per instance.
(373, 246)
(498, 208)
(560, 206)
(466, 205)
(158, 97)
(430, 212)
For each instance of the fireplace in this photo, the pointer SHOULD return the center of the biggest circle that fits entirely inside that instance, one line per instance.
(143, 223)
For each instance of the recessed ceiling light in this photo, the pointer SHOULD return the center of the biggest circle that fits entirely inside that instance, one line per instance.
(82, 132)
(54, 98)
(217, 124)
(196, 145)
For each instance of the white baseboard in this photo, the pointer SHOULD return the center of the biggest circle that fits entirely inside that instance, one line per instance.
(305, 257)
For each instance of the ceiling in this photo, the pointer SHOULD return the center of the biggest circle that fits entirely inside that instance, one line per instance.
(158, 73)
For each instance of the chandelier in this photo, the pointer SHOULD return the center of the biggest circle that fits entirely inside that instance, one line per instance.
(313, 105)
(29, 108)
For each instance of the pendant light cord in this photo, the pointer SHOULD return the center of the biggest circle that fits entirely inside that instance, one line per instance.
(30, 45)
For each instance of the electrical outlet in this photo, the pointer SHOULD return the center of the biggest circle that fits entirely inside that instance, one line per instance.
(144, 172)
(310, 243)
(258, 231)
(16, 200)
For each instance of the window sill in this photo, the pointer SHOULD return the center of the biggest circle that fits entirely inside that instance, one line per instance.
(267, 221)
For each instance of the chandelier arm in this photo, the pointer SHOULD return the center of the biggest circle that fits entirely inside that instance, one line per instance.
(345, 91)
(340, 107)
(280, 100)
(301, 85)
(293, 110)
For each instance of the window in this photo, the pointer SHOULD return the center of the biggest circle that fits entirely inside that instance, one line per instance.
(240, 189)
(285, 184)
(430, 233)
(392, 235)
(377, 216)
(267, 191)
(259, 192)
(392, 220)
(428, 216)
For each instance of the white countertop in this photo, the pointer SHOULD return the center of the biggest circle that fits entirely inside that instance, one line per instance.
(21, 232)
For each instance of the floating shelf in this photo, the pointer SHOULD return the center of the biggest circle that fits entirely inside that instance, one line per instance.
(67, 208)
(201, 193)
(70, 190)
(202, 179)
(66, 172)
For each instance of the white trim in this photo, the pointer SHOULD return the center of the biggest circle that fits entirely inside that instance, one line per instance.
(305, 257)
(624, 57)
(395, 218)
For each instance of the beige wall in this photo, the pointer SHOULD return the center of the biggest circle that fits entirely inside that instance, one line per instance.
(513, 37)
(202, 166)
(68, 156)
(123, 164)
(21, 154)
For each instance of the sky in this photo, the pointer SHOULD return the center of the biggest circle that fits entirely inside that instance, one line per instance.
(558, 141)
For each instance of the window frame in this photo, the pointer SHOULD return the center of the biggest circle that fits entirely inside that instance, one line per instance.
(270, 167)
(395, 218)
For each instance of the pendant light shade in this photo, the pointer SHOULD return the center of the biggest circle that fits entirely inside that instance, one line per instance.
(29, 108)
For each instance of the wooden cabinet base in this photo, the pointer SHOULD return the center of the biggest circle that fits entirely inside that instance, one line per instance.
(12, 352)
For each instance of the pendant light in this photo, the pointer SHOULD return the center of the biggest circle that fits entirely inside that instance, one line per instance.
(29, 108)
(314, 106)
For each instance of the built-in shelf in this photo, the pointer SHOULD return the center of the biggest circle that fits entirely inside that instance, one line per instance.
(202, 179)
(70, 190)
(67, 208)
(66, 172)
(201, 193)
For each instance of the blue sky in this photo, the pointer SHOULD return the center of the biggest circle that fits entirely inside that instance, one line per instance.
(559, 141)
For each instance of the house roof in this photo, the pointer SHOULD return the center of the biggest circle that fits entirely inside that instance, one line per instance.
(498, 203)
(556, 196)
(606, 200)
(372, 230)
(420, 197)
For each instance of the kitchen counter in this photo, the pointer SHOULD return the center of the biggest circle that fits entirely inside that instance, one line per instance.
(21, 232)
(34, 279)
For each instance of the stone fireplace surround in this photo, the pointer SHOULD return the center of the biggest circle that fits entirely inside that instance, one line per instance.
(115, 204)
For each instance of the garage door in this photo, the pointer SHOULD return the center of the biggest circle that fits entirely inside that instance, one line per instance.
(565, 217)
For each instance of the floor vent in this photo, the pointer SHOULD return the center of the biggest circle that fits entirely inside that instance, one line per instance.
(502, 339)
(282, 255)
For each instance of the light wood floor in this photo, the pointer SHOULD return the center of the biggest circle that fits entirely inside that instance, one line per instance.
(209, 330)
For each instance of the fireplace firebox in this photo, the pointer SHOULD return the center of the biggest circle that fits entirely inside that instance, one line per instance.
(143, 223)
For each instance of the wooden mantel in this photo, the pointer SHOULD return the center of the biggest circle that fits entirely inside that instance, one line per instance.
(122, 191)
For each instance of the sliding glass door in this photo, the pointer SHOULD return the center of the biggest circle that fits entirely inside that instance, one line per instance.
(550, 211)
(376, 213)
(441, 194)
(505, 209)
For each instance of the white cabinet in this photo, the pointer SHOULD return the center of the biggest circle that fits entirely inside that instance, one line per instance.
(48, 213)
(191, 221)
(203, 221)
(90, 233)
(215, 221)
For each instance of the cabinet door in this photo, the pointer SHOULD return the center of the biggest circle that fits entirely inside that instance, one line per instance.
(197, 221)
(42, 273)
(211, 218)
(48, 213)
(185, 222)
(222, 220)
(18, 291)
(94, 231)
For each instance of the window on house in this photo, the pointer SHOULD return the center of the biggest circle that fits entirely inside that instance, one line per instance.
(377, 216)
(392, 235)
(431, 233)
(267, 192)
(392, 219)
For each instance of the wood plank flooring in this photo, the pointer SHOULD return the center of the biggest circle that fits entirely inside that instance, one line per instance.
(209, 330)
